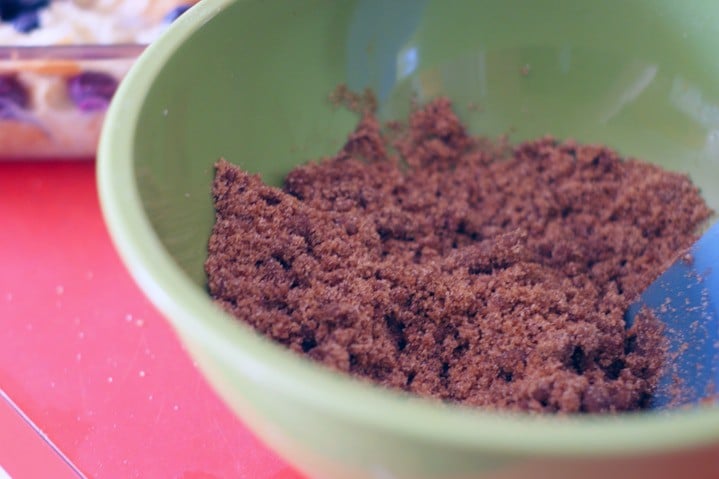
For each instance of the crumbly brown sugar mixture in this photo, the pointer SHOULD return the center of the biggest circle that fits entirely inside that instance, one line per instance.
(447, 271)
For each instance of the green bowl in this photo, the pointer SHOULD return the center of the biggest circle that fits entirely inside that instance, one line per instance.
(249, 80)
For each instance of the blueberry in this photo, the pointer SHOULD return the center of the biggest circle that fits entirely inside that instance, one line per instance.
(13, 91)
(91, 91)
(10, 9)
(175, 13)
(13, 97)
(31, 4)
(26, 22)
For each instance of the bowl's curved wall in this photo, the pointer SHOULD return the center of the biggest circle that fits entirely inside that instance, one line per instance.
(249, 80)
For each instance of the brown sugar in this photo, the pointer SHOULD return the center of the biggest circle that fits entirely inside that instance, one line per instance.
(365, 102)
(424, 262)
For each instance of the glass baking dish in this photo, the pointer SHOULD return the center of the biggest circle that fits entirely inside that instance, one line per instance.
(53, 98)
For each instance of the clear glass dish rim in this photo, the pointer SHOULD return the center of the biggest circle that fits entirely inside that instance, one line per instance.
(71, 52)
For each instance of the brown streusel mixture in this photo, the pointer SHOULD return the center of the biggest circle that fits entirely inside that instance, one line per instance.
(442, 270)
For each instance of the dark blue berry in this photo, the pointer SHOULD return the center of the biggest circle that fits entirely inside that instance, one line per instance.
(10, 9)
(13, 97)
(12, 90)
(175, 13)
(26, 22)
(92, 91)
(31, 4)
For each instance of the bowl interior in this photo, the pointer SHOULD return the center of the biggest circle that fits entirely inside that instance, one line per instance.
(251, 85)
(643, 81)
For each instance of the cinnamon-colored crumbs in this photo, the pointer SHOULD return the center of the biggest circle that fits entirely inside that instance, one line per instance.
(450, 274)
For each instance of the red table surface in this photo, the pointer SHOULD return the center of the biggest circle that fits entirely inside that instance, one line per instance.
(88, 358)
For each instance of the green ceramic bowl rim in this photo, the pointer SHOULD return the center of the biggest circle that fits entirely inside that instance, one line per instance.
(191, 312)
